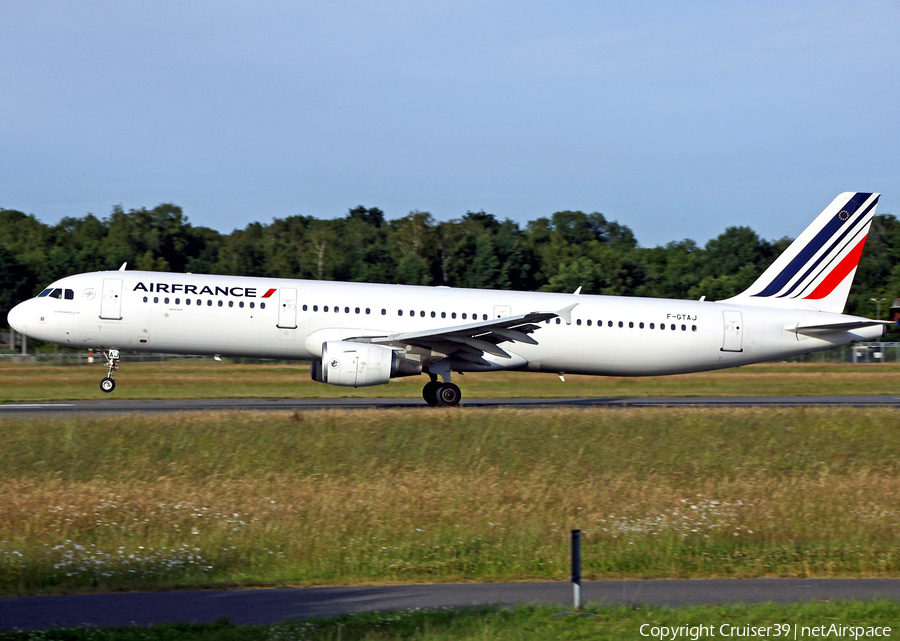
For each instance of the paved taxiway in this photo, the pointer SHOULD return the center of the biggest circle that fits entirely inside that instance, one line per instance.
(243, 607)
(113, 406)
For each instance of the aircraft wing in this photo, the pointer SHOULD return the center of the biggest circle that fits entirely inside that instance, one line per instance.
(470, 342)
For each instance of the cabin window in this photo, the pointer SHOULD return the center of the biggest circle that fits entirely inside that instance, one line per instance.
(412, 312)
(145, 299)
(252, 305)
(325, 308)
(368, 311)
(684, 328)
(452, 314)
(304, 306)
(221, 303)
(630, 324)
(347, 310)
(589, 323)
(178, 301)
(357, 310)
(662, 325)
(693, 328)
(609, 323)
(558, 321)
(673, 327)
(578, 322)
(443, 314)
(241, 305)
(231, 303)
(262, 305)
(432, 314)
(621, 324)
(422, 314)
(464, 317)
(652, 325)
(337, 309)
(156, 299)
(484, 317)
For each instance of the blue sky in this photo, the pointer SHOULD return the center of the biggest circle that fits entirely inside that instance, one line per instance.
(676, 119)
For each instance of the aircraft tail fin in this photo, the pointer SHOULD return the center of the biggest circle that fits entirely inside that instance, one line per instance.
(817, 269)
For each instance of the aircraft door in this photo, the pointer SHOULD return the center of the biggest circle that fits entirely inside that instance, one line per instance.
(111, 300)
(501, 311)
(287, 312)
(734, 332)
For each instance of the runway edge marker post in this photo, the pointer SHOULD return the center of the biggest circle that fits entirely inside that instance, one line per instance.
(576, 569)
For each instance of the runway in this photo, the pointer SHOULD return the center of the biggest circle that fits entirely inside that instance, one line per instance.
(246, 607)
(113, 406)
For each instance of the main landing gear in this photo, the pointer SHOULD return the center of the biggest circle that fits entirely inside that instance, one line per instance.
(108, 384)
(443, 394)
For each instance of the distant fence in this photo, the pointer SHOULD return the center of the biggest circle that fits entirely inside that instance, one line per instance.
(859, 353)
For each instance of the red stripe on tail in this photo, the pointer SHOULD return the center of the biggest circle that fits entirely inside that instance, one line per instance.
(839, 273)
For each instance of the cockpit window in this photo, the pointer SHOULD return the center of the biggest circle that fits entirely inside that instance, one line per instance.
(58, 292)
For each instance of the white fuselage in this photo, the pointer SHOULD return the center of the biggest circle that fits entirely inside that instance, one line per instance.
(291, 319)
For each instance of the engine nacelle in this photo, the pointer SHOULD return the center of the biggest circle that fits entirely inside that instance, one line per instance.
(360, 364)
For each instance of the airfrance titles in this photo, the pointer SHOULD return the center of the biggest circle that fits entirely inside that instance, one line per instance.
(176, 288)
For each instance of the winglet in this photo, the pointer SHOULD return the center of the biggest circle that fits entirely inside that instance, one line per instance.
(566, 313)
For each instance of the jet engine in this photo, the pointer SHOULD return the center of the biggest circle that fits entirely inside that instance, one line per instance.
(354, 364)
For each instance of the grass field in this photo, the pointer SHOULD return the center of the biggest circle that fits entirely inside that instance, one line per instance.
(531, 623)
(205, 378)
(339, 497)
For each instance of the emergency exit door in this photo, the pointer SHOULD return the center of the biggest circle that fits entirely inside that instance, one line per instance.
(111, 300)
(287, 310)
(733, 339)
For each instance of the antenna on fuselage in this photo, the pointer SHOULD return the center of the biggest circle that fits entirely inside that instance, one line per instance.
(122, 268)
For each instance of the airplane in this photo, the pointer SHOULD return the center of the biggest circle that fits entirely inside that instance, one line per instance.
(358, 334)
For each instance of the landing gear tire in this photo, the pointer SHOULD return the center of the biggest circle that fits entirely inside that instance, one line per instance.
(449, 395)
(430, 392)
(112, 364)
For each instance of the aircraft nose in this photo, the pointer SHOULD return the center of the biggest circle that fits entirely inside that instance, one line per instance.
(17, 318)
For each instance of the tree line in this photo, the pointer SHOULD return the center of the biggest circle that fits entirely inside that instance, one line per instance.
(559, 253)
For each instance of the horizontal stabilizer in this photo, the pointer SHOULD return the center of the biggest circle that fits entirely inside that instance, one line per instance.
(836, 327)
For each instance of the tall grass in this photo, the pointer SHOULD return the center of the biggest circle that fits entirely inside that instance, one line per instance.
(380, 496)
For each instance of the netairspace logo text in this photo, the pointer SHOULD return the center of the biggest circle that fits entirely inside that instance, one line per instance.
(782, 630)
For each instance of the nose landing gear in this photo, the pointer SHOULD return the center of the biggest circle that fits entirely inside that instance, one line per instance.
(443, 394)
(108, 384)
